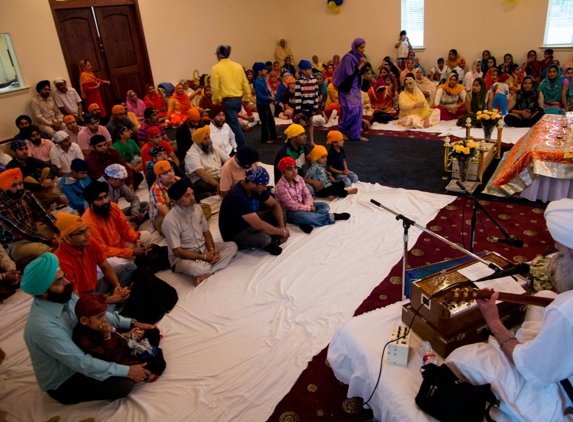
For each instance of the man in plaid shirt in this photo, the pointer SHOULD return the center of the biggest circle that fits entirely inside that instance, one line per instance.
(20, 216)
(306, 98)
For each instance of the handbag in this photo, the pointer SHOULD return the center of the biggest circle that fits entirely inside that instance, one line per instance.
(446, 398)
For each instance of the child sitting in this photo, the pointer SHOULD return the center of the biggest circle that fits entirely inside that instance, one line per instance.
(95, 337)
(159, 154)
(318, 172)
(295, 198)
(127, 147)
(177, 117)
(74, 183)
(336, 163)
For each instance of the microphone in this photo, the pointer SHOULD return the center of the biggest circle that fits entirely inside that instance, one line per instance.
(375, 202)
(461, 185)
(518, 269)
(511, 241)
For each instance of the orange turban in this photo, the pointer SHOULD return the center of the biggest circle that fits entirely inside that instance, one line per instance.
(317, 152)
(333, 136)
(161, 167)
(7, 178)
(92, 107)
(193, 114)
(290, 80)
(68, 223)
(200, 134)
(117, 109)
(69, 119)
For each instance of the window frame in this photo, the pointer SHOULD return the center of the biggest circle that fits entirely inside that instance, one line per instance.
(547, 28)
(21, 83)
(404, 27)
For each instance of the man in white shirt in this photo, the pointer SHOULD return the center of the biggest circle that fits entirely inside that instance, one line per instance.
(203, 162)
(64, 152)
(92, 128)
(49, 118)
(526, 369)
(221, 133)
(67, 99)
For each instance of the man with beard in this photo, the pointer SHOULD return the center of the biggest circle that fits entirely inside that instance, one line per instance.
(37, 147)
(48, 115)
(155, 139)
(192, 250)
(67, 99)
(85, 264)
(204, 161)
(38, 175)
(102, 155)
(530, 370)
(184, 132)
(93, 128)
(221, 133)
(94, 110)
(62, 370)
(110, 229)
(26, 227)
(119, 118)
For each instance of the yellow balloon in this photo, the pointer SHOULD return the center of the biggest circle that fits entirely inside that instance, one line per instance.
(331, 5)
(336, 10)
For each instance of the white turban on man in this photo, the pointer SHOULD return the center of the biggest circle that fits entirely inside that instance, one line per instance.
(559, 219)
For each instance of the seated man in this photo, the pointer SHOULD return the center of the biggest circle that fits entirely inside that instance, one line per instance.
(102, 155)
(119, 118)
(240, 223)
(26, 227)
(64, 152)
(159, 201)
(38, 175)
(48, 117)
(192, 250)
(525, 368)
(87, 133)
(9, 276)
(68, 100)
(221, 133)
(37, 147)
(96, 112)
(155, 140)
(233, 171)
(160, 154)
(203, 162)
(185, 131)
(151, 120)
(72, 128)
(84, 262)
(115, 176)
(74, 183)
(62, 370)
(127, 147)
(110, 229)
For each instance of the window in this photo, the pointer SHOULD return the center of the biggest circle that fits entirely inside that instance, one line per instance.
(10, 76)
(559, 24)
(413, 21)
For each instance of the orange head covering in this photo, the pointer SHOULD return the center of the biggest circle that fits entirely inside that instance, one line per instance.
(117, 109)
(69, 119)
(7, 178)
(290, 80)
(446, 86)
(317, 152)
(200, 134)
(193, 114)
(86, 76)
(161, 167)
(92, 107)
(333, 136)
(68, 223)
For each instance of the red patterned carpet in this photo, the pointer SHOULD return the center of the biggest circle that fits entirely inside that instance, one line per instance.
(318, 395)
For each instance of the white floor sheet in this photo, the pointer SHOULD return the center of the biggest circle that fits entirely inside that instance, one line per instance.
(236, 344)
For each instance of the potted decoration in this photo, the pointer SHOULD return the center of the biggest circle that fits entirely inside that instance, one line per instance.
(463, 151)
(488, 120)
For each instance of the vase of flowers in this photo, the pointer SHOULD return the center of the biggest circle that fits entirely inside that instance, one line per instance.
(463, 151)
(488, 120)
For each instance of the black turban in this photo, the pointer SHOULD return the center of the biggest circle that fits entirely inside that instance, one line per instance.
(92, 191)
(178, 189)
(42, 84)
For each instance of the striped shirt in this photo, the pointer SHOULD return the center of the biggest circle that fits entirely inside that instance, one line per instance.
(158, 196)
(306, 94)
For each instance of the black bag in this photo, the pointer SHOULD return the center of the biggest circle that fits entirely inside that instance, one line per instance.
(156, 260)
(381, 117)
(150, 298)
(446, 398)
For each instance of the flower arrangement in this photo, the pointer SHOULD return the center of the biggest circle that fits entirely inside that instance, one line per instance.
(488, 120)
(464, 149)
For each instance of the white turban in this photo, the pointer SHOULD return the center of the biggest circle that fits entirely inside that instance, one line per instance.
(59, 81)
(117, 171)
(559, 218)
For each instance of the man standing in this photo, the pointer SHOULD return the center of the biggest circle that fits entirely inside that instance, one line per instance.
(62, 370)
(92, 129)
(64, 152)
(67, 99)
(241, 223)
(48, 116)
(221, 133)
(185, 131)
(229, 84)
(26, 227)
(204, 161)
(192, 250)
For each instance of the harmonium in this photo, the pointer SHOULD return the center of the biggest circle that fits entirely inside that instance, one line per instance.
(449, 320)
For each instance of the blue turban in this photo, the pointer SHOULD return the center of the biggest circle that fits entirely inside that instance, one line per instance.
(259, 66)
(257, 175)
(304, 64)
(224, 51)
(40, 274)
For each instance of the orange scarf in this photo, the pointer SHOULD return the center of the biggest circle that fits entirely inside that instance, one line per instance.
(86, 76)
(451, 91)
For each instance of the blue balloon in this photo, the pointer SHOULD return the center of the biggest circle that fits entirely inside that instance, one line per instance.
(338, 2)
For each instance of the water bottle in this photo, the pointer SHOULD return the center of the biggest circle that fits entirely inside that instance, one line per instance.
(425, 350)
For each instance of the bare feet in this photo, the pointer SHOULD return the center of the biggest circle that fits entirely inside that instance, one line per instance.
(352, 191)
(426, 122)
(363, 139)
(2, 355)
(330, 197)
(200, 278)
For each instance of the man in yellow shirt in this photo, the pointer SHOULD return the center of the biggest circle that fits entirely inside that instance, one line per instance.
(229, 84)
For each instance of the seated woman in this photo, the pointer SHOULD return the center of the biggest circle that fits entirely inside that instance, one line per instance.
(335, 61)
(568, 72)
(322, 89)
(556, 91)
(332, 108)
(273, 82)
(484, 58)
(317, 64)
(440, 71)
(425, 85)
(525, 106)
(135, 105)
(491, 76)
(408, 68)
(452, 60)
(382, 97)
(289, 66)
(476, 100)
(367, 79)
(155, 101)
(515, 78)
(415, 112)
(328, 71)
(505, 67)
(532, 66)
(417, 65)
(450, 98)
(183, 99)
(392, 68)
(474, 73)
(177, 118)
(206, 101)
(288, 100)
(491, 63)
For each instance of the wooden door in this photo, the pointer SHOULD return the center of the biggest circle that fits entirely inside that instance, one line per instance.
(124, 49)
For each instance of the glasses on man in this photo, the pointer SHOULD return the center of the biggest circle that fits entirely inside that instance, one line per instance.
(81, 232)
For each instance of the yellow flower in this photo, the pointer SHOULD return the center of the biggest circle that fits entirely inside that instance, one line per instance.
(478, 114)
(472, 145)
(486, 117)
(466, 151)
(458, 148)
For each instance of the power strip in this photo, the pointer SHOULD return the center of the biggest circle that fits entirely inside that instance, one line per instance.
(398, 349)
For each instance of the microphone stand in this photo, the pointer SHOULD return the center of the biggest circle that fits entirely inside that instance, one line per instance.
(475, 206)
(407, 223)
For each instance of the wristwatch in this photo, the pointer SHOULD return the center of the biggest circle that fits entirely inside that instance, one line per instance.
(133, 321)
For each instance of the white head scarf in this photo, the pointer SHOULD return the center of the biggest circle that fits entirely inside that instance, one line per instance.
(559, 219)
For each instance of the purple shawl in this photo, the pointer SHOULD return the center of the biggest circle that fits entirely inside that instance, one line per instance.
(349, 63)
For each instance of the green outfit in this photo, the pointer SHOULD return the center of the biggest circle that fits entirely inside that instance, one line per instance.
(127, 150)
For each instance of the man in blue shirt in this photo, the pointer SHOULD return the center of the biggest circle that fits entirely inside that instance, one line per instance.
(66, 373)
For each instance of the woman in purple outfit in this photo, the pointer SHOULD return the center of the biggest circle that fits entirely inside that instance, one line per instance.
(347, 80)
